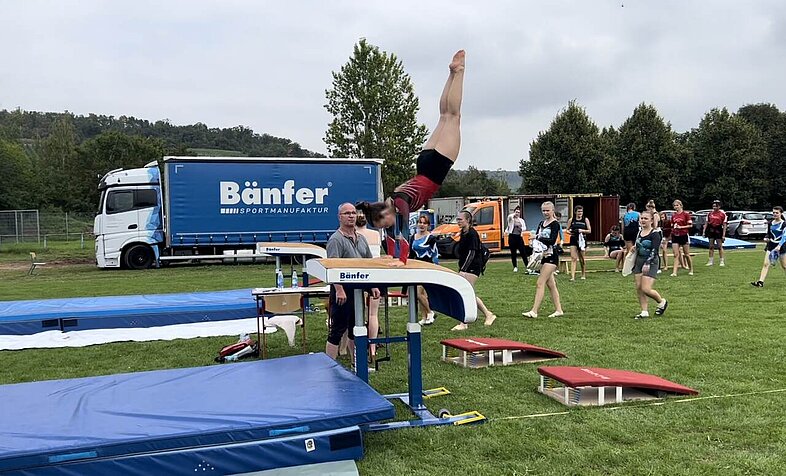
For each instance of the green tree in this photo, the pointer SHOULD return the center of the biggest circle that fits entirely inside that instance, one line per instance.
(103, 153)
(733, 158)
(17, 186)
(374, 110)
(471, 183)
(567, 158)
(772, 124)
(646, 158)
(57, 164)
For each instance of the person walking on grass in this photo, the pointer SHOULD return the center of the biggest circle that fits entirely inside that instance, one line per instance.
(545, 242)
(630, 226)
(775, 248)
(715, 231)
(579, 227)
(615, 247)
(681, 223)
(665, 227)
(424, 248)
(470, 258)
(645, 269)
(515, 227)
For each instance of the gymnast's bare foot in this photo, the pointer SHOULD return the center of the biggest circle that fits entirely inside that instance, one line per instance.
(396, 263)
(457, 65)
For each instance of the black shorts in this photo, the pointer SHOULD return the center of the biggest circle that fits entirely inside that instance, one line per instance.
(679, 239)
(629, 233)
(771, 245)
(433, 165)
(553, 258)
(714, 232)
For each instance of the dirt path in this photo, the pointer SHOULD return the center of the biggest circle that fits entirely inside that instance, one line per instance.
(22, 266)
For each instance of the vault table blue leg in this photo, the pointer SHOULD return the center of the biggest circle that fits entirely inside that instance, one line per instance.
(414, 397)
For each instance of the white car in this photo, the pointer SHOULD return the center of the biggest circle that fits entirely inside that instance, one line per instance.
(746, 224)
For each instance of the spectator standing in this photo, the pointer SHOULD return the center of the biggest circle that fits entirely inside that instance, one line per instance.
(424, 248)
(374, 240)
(579, 227)
(346, 242)
(715, 231)
(514, 229)
(665, 227)
(681, 223)
(471, 262)
(630, 226)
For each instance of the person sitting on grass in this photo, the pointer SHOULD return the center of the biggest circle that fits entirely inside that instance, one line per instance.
(615, 246)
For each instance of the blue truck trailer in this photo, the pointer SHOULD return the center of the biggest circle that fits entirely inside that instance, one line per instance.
(190, 208)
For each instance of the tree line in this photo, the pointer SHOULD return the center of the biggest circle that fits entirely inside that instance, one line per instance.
(737, 158)
(54, 160)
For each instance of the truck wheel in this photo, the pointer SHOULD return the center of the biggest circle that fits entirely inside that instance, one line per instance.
(138, 257)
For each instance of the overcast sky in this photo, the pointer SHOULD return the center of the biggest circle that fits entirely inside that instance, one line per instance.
(267, 64)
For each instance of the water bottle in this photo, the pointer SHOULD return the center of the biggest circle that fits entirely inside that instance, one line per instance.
(279, 279)
(294, 279)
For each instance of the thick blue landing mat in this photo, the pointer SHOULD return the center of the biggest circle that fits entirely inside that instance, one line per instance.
(111, 312)
(728, 243)
(52, 425)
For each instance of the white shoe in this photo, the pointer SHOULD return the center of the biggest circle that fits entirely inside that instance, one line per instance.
(557, 314)
(690, 273)
(660, 271)
(515, 269)
(529, 314)
(428, 320)
(709, 263)
(722, 264)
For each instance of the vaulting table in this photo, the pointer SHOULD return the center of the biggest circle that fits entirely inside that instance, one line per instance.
(448, 293)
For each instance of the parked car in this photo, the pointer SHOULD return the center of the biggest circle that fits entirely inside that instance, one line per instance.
(767, 216)
(699, 219)
(746, 224)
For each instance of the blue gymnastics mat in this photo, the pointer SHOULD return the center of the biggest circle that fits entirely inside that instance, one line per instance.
(226, 419)
(728, 243)
(111, 312)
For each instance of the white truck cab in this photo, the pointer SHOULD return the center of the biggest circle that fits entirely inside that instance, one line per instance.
(129, 224)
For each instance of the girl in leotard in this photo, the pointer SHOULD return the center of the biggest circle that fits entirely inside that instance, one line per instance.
(547, 233)
(435, 160)
(645, 269)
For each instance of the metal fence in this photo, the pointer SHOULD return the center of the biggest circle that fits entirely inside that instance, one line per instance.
(42, 227)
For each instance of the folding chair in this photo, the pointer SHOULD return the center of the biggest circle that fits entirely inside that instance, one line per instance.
(34, 264)
(279, 304)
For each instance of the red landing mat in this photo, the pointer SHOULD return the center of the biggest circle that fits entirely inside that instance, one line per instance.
(482, 344)
(596, 377)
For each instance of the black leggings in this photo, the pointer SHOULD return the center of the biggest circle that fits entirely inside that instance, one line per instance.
(516, 245)
(342, 317)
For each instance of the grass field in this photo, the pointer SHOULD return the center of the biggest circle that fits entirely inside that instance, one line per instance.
(720, 336)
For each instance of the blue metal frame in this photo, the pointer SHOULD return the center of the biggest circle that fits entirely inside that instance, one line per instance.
(413, 399)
